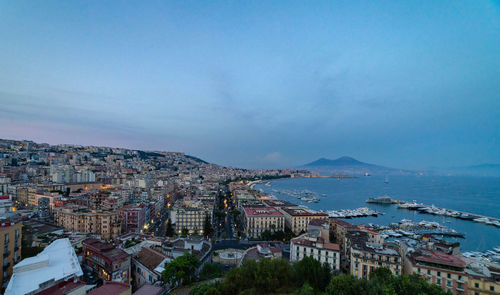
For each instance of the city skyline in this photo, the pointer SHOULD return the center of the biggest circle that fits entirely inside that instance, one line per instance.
(407, 85)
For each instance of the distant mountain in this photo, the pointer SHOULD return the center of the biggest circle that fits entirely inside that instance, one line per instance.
(349, 165)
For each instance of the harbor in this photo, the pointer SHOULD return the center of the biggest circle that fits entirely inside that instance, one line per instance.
(433, 210)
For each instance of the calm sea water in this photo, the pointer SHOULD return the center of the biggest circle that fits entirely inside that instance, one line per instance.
(480, 195)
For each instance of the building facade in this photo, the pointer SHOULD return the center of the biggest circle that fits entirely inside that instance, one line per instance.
(78, 219)
(133, 217)
(190, 218)
(10, 243)
(109, 262)
(297, 219)
(480, 285)
(366, 256)
(259, 219)
(317, 247)
(446, 271)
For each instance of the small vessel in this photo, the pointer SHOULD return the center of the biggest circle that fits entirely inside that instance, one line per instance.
(386, 180)
(323, 195)
(380, 200)
(367, 174)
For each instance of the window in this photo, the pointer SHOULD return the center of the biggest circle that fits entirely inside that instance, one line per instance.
(428, 271)
(6, 239)
(439, 281)
(439, 274)
(476, 285)
(449, 276)
(492, 288)
(418, 270)
(448, 284)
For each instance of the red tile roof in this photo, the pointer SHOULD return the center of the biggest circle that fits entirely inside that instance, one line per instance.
(110, 288)
(441, 258)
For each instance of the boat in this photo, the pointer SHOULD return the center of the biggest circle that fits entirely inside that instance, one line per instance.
(380, 200)
(323, 195)
(386, 180)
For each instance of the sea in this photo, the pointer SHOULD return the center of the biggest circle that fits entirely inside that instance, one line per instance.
(479, 195)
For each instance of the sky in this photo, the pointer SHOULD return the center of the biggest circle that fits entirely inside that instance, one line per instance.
(257, 84)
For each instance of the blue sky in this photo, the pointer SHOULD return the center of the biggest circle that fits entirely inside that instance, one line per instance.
(408, 84)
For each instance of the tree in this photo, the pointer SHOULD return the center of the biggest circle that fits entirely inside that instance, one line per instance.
(184, 232)
(181, 271)
(170, 229)
(207, 226)
(344, 285)
(211, 271)
(266, 235)
(310, 271)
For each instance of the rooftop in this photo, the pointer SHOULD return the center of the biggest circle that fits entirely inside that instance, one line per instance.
(110, 288)
(150, 258)
(262, 211)
(309, 241)
(278, 203)
(148, 290)
(439, 258)
(56, 262)
(303, 212)
(107, 250)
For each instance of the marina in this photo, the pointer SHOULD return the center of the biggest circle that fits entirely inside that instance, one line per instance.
(415, 230)
(422, 208)
(433, 210)
(352, 213)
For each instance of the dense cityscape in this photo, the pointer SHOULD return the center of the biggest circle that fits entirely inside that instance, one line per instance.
(102, 220)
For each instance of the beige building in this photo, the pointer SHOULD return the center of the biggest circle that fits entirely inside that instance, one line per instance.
(259, 219)
(10, 243)
(366, 256)
(297, 219)
(34, 197)
(191, 216)
(480, 285)
(78, 219)
(446, 271)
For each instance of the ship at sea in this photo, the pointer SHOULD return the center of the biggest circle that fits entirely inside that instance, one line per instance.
(380, 200)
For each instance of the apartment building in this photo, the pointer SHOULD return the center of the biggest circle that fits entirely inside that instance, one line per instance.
(444, 270)
(133, 217)
(366, 256)
(259, 219)
(481, 285)
(109, 262)
(297, 218)
(316, 244)
(10, 243)
(80, 219)
(191, 217)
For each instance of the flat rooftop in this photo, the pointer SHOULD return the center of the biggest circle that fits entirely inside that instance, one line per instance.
(303, 212)
(262, 211)
(56, 262)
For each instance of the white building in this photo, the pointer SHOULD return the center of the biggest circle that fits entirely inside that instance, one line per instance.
(56, 263)
(316, 245)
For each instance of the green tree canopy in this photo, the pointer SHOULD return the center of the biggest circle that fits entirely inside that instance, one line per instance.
(181, 270)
